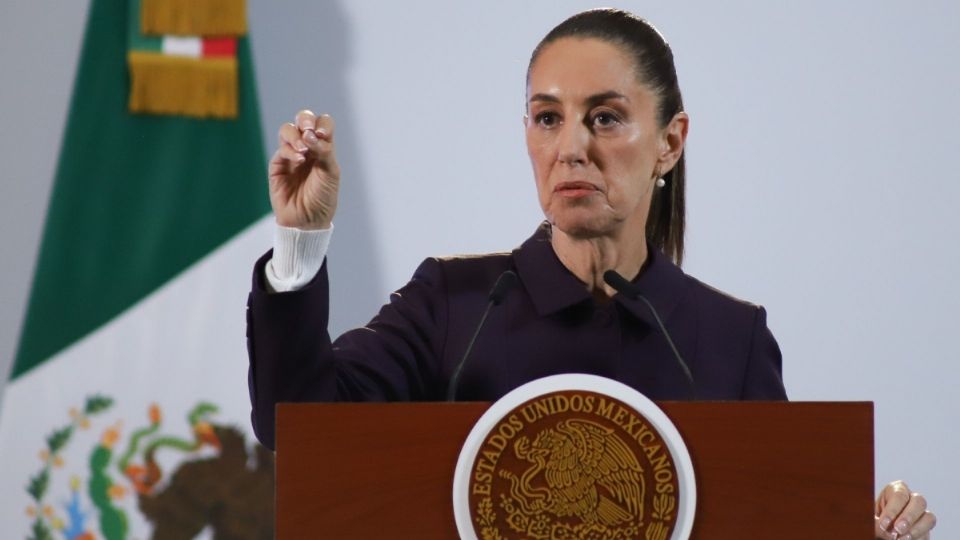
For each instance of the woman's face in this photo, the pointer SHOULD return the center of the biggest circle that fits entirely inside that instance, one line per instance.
(593, 139)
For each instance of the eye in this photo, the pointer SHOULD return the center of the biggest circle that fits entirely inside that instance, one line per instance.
(605, 119)
(546, 119)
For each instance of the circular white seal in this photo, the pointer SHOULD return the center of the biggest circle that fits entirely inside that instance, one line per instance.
(685, 502)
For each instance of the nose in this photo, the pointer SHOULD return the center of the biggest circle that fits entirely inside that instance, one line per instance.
(572, 143)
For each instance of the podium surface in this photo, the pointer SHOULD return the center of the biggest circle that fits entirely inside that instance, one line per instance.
(763, 469)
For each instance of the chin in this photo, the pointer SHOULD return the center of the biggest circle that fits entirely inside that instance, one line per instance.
(582, 225)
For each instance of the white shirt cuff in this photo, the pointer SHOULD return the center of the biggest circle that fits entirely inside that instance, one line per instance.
(297, 257)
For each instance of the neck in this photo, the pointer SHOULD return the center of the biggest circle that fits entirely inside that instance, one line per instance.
(589, 258)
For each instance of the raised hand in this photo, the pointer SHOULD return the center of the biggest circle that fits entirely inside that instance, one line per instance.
(303, 173)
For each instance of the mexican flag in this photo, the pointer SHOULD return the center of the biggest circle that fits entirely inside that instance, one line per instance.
(126, 413)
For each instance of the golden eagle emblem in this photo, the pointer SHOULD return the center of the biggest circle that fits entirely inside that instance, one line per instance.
(573, 465)
(581, 469)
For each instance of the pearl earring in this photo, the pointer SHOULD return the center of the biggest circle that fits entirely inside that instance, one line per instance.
(661, 182)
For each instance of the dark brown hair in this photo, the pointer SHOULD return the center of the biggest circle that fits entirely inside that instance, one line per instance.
(653, 61)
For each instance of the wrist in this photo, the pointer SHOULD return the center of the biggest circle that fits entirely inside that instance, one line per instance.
(304, 226)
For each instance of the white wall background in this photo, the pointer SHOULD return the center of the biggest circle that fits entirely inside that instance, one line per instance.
(822, 177)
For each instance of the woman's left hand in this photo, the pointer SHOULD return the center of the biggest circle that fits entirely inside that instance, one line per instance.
(902, 514)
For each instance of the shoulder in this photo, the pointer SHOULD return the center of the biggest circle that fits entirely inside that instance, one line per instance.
(461, 283)
(722, 310)
(733, 333)
(476, 260)
(467, 271)
(714, 297)
(670, 287)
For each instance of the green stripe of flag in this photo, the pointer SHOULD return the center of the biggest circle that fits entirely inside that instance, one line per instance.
(136, 198)
(135, 37)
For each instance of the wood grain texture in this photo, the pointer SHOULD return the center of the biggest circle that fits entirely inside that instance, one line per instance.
(764, 470)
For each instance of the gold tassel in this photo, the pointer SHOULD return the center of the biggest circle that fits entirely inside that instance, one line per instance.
(180, 85)
(194, 17)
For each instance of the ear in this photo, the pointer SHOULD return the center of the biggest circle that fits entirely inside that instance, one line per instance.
(672, 139)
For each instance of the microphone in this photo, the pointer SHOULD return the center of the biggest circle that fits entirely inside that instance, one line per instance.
(505, 282)
(626, 288)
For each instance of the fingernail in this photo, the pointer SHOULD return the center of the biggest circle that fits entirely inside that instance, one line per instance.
(907, 537)
(885, 523)
(902, 527)
(300, 147)
(310, 136)
(299, 159)
(321, 132)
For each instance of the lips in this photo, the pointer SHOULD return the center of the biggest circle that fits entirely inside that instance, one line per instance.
(575, 189)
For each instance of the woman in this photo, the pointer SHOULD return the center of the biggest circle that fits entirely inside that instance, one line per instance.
(605, 131)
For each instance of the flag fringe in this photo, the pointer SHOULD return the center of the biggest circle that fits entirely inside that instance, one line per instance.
(194, 17)
(180, 85)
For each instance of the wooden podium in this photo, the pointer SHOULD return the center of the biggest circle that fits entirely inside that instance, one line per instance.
(764, 470)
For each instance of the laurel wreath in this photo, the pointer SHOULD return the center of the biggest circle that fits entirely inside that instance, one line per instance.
(663, 507)
(42, 526)
(486, 517)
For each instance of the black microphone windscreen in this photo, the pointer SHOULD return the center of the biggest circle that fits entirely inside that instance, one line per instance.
(503, 285)
(619, 283)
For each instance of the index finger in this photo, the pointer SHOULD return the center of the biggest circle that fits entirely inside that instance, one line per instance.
(306, 120)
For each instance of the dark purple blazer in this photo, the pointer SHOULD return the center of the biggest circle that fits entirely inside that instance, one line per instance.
(548, 324)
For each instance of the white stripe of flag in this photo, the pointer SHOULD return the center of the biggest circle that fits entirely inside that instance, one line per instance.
(183, 46)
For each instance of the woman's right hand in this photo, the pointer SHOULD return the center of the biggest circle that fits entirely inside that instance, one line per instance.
(303, 173)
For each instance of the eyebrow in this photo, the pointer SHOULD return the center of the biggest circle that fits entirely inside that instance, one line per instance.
(591, 101)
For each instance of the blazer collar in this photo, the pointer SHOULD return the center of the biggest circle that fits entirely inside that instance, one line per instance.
(553, 288)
